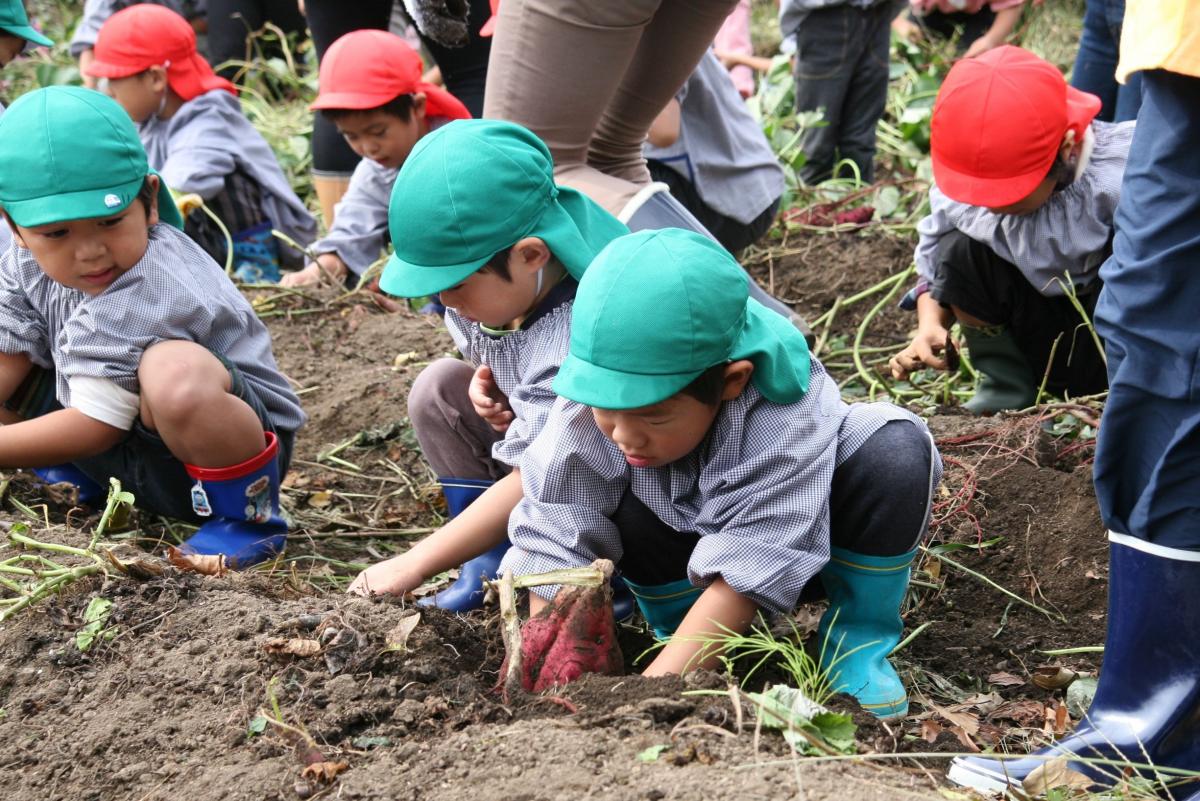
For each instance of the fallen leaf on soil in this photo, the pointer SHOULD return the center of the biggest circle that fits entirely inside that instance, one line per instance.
(1080, 695)
(344, 646)
(966, 721)
(397, 638)
(1005, 680)
(1052, 677)
(405, 359)
(140, 569)
(1055, 773)
(319, 500)
(1028, 714)
(293, 646)
(204, 564)
(324, 771)
(930, 729)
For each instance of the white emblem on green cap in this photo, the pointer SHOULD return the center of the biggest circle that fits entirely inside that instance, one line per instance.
(112, 201)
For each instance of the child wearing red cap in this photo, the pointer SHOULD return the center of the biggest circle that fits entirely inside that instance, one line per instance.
(371, 88)
(196, 136)
(1027, 182)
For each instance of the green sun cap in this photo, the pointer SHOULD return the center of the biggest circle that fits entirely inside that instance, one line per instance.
(14, 20)
(472, 188)
(658, 308)
(72, 154)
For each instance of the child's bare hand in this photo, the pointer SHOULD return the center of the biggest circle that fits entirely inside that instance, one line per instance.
(488, 400)
(393, 577)
(921, 352)
(331, 269)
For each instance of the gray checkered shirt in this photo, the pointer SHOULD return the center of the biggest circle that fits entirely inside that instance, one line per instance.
(360, 220)
(756, 490)
(524, 364)
(176, 292)
(1068, 234)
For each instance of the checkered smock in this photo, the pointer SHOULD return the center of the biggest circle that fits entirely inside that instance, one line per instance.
(1069, 234)
(360, 219)
(524, 363)
(176, 292)
(756, 491)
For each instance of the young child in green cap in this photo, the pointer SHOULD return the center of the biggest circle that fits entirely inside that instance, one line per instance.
(700, 447)
(164, 373)
(505, 259)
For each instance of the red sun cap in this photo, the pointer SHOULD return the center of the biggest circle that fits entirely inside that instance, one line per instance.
(489, 27)
(143, 36)
(367, 69)
(998, 122)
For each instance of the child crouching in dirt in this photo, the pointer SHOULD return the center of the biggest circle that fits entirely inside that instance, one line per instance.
(700, 447)
(164, 373)
(371, 88)
(505, 256)
(1022, 213)
(200, 142)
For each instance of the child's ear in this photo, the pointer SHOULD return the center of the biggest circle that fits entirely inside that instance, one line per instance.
(531, 254)
(418, 106)
(1070, 147)
(152, 209)
(737, 375)
(158, 79)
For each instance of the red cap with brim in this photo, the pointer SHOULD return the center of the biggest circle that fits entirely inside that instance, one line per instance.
(143, 36)
(367, 69)
(998, 123)
(489, 27)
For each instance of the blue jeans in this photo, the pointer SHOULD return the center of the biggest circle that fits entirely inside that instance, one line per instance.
(842, 57)
(1096, 62)
(1148, 451)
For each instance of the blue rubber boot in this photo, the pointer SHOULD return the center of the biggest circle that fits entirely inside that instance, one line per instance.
(66, 473)
(623, 600)
(1147, 706)
(862, 626)
(665, 605)
(467, 592)
(243, 502)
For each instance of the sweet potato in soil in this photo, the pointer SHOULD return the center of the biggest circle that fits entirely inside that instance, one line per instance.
(166, 709)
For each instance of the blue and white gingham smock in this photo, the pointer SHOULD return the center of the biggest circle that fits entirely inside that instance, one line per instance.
(176, 292)
(756, 491)
(1069, 233)
(524, 363)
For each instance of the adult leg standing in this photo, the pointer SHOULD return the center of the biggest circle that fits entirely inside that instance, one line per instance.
(546, 74)
(230, 22)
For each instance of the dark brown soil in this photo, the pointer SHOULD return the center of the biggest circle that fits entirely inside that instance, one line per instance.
(168, 708)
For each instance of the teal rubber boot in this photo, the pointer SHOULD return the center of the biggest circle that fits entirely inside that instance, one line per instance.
(862, 626)
(664, 605)
(1006, 380)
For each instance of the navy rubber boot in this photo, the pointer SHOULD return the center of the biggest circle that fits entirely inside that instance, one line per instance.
(243, 502)
(66, 473)
(467, 592)
(1147, 705)
(623, 600)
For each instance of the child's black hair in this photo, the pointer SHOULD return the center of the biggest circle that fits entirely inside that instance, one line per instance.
(1062, 171)
(707, 386)
(146, 194)
(498, 264)
(400, 107)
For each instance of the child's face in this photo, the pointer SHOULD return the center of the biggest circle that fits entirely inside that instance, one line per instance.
(140, 95)
(10, 47)
(384, 138)
(89, 255)
(654, 436)
(486, 297)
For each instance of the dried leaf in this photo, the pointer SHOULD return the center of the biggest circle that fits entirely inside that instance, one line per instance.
(319, 500)
(292, 646)
(204, 564)
(930, 729)
(1052, 677)
(1052, 774)
(967, 721)
(324, 772)
(1028, 714)
(964, 738)
(1005, 680)
(397, 638)
(140, 569)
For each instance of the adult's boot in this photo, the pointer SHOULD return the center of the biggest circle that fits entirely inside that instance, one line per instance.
(1147, 705)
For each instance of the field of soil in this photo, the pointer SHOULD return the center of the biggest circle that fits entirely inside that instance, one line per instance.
(174, 703)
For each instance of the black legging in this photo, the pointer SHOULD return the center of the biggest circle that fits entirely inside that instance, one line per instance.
(229, 21)
(464, 69)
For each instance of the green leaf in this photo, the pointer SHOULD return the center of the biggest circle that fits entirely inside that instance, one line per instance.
(652, 753)
(837, 729)
(786, 708)
(93, 618)
(258, 724)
